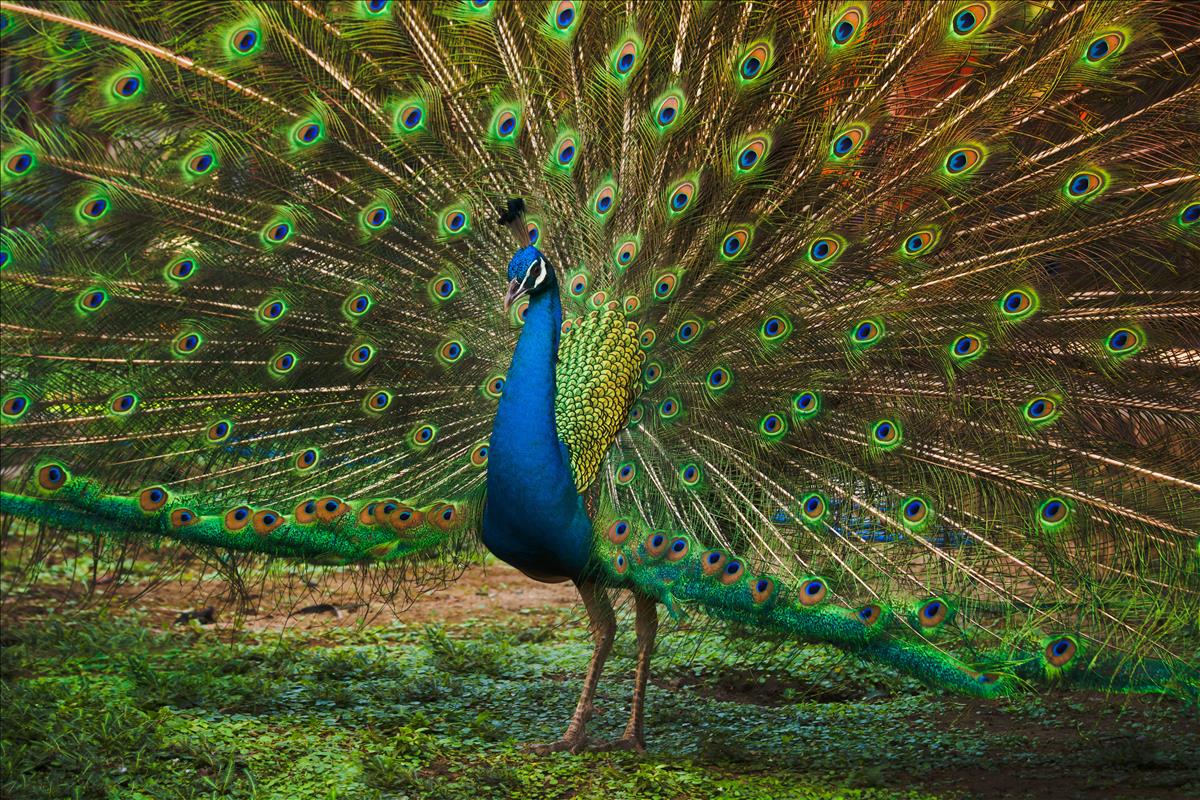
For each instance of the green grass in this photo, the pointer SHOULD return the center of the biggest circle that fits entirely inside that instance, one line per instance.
(100, 706)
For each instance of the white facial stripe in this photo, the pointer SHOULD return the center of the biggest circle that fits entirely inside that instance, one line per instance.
(537, 270)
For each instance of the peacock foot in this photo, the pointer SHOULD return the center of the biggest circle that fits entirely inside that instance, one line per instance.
(571, 743)
(628, 742)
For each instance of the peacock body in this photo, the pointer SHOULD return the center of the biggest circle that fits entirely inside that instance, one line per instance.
(867, 323)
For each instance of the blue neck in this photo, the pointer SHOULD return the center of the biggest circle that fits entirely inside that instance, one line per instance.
(534, 518)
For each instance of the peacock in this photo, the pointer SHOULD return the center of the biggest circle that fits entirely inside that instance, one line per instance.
(873, 324)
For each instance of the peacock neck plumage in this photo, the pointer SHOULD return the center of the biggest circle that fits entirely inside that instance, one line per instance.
(534, 518)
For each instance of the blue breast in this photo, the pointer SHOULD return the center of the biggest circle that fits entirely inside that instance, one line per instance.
(534, 519)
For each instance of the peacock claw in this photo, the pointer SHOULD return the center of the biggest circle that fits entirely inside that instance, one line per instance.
(571, 744)
(630, 743)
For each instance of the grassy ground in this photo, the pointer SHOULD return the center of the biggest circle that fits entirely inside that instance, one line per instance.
(436, 703)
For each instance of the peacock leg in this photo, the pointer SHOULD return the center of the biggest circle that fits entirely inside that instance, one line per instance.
(603, 623)
(647, 629)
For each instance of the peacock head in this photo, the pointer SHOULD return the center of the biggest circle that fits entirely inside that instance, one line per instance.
(529, 273)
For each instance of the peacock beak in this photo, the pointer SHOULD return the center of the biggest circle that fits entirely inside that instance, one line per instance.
(516, 288)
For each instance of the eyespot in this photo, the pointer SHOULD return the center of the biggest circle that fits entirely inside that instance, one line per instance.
(669, 408)
(919, 242)
(564, 15)
(409, 117)
(152, 499)
(690, 474)
(618, 531)
(277, 232)
(423, 435)
(688, 330)
(886, 433)
(869, 615)
(219, 431)
(656, 545)
(1084, 184)
(1018, 304)
(1190, 214)
(812, 592)
(814, 507)
(626, 472)
(1041, 409)
(932, 613)
(752, 154)
(91, 300)
(454, 221)
(678, 549)
(1123, 342)
(636, 413)
(93, 208)
(401, 518)
(505, 124)
(451, 351)
(307, 459)
(123, 404)
(718, 379)
(967, 347)
(305, 513)
(271, 310)
(5, 258)
(867, 332)
(376, 7)
(15, 406)
(519, 311)
(664, 287)
(604, 200)
(377, 217)
(358, 305)
(652, 373)
(774, 329)
(444, 288)
(735, 243)
(625, 254)
(266, 521)
(620, 564)
(1060, 651)
(712, 562)
(754, 62)
(962, 160)
(846, 27)
(1103, 46)
(915, 511)
(377, 401)
(183, 517)
(680, 197)
(848, 142)
(51, 477)
(181, 269)
(1053, 513)
(479, 455)
(806, 404)
(494, 387)
(533, 231)
(330, 508)
(646, 339)
(667, 110)
(564, 152)
(237, 518)
(625, 58)
(970, 19)
(772, 426)
(308, 133)
(19, 163)
(731, 573)
(200, 163)
(823, 249)
(127, 86)
(444, 517)
(244, 41)
(283, 363)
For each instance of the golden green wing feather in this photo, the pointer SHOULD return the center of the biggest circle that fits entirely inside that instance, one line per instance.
(599, 377)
